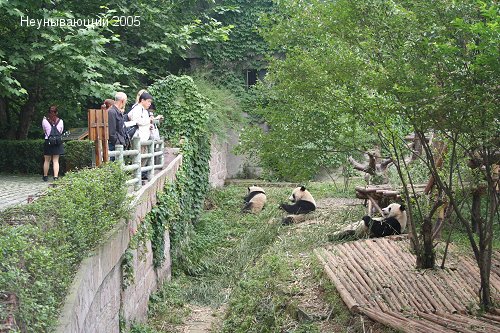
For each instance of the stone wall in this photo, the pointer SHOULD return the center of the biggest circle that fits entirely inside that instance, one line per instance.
(218, 163)
(224, 163)
(96, 301)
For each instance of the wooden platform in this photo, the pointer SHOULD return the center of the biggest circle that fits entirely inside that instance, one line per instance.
(377, 277)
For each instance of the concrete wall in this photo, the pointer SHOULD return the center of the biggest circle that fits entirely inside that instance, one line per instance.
(96, 300)
(224, 163)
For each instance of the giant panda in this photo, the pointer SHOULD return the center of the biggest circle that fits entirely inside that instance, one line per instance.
(255, 200)
(393, 222)
(303, 202)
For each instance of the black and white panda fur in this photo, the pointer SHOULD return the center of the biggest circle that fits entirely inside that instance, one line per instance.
(393, 222)
(303, 202)
(255, 200)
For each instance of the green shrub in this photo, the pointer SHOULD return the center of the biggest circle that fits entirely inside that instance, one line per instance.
(42, 244)
(26, 156)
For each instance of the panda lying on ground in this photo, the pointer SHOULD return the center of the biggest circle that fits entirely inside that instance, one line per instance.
(393, 223)
(255, 200)
(303, 202)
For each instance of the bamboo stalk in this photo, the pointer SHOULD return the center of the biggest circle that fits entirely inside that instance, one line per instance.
(374, 203)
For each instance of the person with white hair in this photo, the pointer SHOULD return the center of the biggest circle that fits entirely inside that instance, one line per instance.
(116, 122)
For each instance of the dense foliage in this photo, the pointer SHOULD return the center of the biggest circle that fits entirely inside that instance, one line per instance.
(42, 244)
(26, 156)
(382, 69)
(76, 66)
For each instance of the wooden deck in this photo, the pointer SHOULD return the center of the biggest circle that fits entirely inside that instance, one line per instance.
(377, 277)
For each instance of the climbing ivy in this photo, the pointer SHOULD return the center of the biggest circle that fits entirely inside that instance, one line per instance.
(244, 49)
(186, 126)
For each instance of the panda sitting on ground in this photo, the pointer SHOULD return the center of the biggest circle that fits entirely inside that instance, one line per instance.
(255, 200)
(303, 203)
(393, 222)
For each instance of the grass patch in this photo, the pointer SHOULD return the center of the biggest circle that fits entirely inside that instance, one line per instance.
(265, 274)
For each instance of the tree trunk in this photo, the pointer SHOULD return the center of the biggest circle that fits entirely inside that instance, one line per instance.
(426, 258)
(484, 272)
(26, 115)
(476, 209)
(3, 117)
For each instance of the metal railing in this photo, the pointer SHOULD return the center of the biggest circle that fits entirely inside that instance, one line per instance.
(140, 163)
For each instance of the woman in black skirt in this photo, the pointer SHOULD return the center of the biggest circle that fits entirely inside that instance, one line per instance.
(51, 152)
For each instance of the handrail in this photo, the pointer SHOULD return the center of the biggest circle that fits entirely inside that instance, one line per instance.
(140, 163)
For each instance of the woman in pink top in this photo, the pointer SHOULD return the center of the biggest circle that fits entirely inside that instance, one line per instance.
(51, 152)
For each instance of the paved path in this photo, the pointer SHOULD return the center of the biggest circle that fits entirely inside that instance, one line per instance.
(15, 189)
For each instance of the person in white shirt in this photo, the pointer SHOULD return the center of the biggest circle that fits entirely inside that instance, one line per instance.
(140, 116)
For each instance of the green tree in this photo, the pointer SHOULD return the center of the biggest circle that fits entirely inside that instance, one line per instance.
(355, 70)
(77, 66)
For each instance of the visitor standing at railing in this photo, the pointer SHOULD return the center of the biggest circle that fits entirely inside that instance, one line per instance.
(140, 115)
(116, 122)
(53, 127)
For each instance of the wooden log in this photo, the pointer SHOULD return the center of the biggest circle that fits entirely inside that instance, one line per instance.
(345, 278)
(364, 190)
(359, 253)
(470, 273)
(350, 282)
(360, 259)
(364, 282)
(403, 325)
(391, 291)
(357, 248)
(420, 285)
(451, 324)
(454, 290)
(425, 325)
(462, 284)
(344, 293)
(486, 318)
(469, 321)
(389, 193)
(494, 318)
(355, 269)
(439, 294)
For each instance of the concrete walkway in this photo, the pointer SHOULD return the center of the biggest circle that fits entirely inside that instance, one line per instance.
(15, 189)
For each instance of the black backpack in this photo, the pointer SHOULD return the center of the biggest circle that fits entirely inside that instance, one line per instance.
(55, 137)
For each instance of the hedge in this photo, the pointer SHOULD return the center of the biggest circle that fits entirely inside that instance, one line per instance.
(42, 244)
(26, 156)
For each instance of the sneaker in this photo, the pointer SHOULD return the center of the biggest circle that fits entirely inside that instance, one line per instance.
(45, 178)
(56, 178)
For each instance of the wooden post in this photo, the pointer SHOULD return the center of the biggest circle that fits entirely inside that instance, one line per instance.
(98, 132)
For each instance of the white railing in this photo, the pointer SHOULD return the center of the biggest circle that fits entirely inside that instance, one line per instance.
(153, 159)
